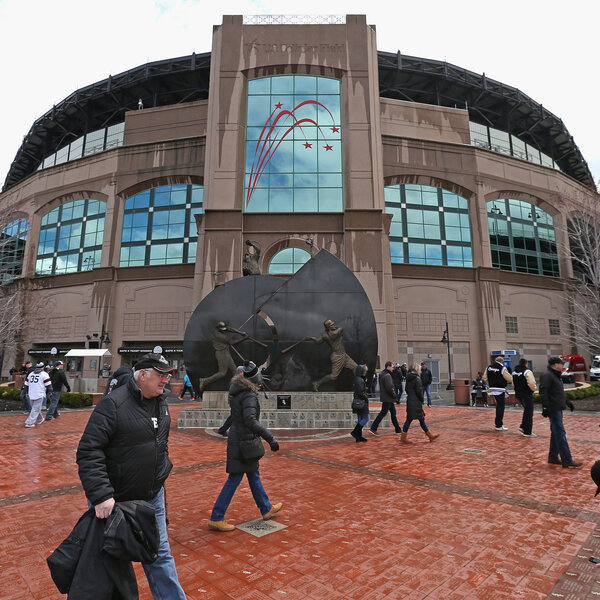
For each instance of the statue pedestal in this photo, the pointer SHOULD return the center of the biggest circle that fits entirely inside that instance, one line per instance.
(281, 410)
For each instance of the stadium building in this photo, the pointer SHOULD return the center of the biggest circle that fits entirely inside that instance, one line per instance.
(442, 190)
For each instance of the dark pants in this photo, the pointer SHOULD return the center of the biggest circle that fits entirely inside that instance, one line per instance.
(421, 423)
(398, 390)
(499, 409)
(385, 408)
(558, 438)
(526, 401)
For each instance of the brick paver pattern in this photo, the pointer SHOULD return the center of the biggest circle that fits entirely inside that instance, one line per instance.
(373, 521)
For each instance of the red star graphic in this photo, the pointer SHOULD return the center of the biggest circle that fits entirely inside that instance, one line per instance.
(328, 147)
(335, 129)
(307, 145)
(278, 105)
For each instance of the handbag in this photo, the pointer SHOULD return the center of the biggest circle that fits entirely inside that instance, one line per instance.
(251, 450)
(359, 404)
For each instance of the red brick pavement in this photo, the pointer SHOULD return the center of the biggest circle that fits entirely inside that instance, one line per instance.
(365, 521)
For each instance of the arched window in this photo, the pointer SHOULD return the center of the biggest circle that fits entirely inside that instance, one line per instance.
(430, 226)
(159, 226)
(522, 237)
(293, 145)
(12, 249)
(288, 260)
(71, 238)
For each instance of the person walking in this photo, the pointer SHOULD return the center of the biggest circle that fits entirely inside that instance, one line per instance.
(498, 377)
(478, 390)
(360, 403)
(414, 405)
(244, 448)
(123, 455)
(38, 385)
(187, 386)
(26, 368)
(426, 379)
(554, 401)
(524, 384)
(387, 395)
(58, 379)
(397, 378)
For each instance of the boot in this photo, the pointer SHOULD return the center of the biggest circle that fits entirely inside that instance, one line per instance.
(360, 437)
(432, 436)
(355, 434)
(404, 438)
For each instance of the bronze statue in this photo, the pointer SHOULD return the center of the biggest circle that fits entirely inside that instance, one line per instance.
(251, 260)
(339, 359)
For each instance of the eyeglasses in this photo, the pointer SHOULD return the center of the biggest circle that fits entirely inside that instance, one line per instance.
(166, 376)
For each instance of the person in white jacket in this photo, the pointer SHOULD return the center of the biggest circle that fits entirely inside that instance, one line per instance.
(524, 384)
(38, 385)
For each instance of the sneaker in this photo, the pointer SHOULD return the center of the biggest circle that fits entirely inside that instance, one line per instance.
(274, 509)
(521, 428)
(528, 434)
(554, 461)
(50, 418)
(373, 432)
(572, 465)
(502, 428)
(180, 397)
(220, 526)
(40, 422)
(32, 425)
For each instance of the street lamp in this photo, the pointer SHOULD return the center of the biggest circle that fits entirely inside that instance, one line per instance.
(446, 340)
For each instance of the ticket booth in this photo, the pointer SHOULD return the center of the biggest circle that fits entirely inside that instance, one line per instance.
(91, 364)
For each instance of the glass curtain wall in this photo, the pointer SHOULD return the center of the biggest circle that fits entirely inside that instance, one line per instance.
(12, 249)
(430, 226)
(288, 260)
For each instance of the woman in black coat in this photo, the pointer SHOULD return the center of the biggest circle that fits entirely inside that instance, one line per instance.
(414, 405)
(360, 397)
(244, 448)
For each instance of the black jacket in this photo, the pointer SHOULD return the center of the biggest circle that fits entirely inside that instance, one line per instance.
(397, 376)
(118, 378)
(123, 452)
(387, 393)
(245, 425)
(360, 388)
(94, 561)
(58, 379)
(426, 377)
(414, 397)
(552, 390)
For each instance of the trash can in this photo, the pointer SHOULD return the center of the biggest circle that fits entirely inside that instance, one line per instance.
(462, 391)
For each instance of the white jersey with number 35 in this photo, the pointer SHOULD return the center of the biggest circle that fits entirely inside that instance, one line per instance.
(36, 382)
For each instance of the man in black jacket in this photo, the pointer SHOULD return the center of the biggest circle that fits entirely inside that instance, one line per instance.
(387, 395)
(426, 381)
(58, 379)
(123, 455)
(554, 401)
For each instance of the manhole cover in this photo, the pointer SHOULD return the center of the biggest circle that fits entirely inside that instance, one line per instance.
(260, 527)
(473, 451)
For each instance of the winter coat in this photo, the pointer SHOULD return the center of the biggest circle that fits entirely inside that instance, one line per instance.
(245, 425)
(119, 377)
(478, 387)
(58, 379)
(414, 397)
(426, 377)
(387, 393)
(397, 376)
(360, 389)
(123, 452)
(94, 561)
(552, 390)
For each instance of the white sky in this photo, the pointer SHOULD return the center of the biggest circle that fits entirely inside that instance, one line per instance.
(546, 48)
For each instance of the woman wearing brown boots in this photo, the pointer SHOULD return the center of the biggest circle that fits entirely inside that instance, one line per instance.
(414, 405)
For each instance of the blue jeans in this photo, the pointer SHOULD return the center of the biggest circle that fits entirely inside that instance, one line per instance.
(409, 421)
(226, 495)
(53, 408)
(25, 399)
(362, 419)
(427, 390)
(558, 438)
(385, 408)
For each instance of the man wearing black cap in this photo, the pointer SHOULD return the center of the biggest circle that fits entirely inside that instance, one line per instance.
(58, 379)
(554, 401)
(123, 455)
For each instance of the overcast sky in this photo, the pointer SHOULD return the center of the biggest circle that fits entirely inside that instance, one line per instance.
(547, 49)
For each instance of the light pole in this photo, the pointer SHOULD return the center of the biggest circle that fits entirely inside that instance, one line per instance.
(446, 340)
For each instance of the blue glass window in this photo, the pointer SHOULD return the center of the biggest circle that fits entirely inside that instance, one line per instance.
(159, 227)
(12, 250)
(71, 237)
(522, 237)
(430, 226)
(288, 260)
(293, 145)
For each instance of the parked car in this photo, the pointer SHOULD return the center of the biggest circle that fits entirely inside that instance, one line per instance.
(572, 364)
(595, 368)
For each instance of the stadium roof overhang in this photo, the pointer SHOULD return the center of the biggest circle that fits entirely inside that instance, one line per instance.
(186, 79)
